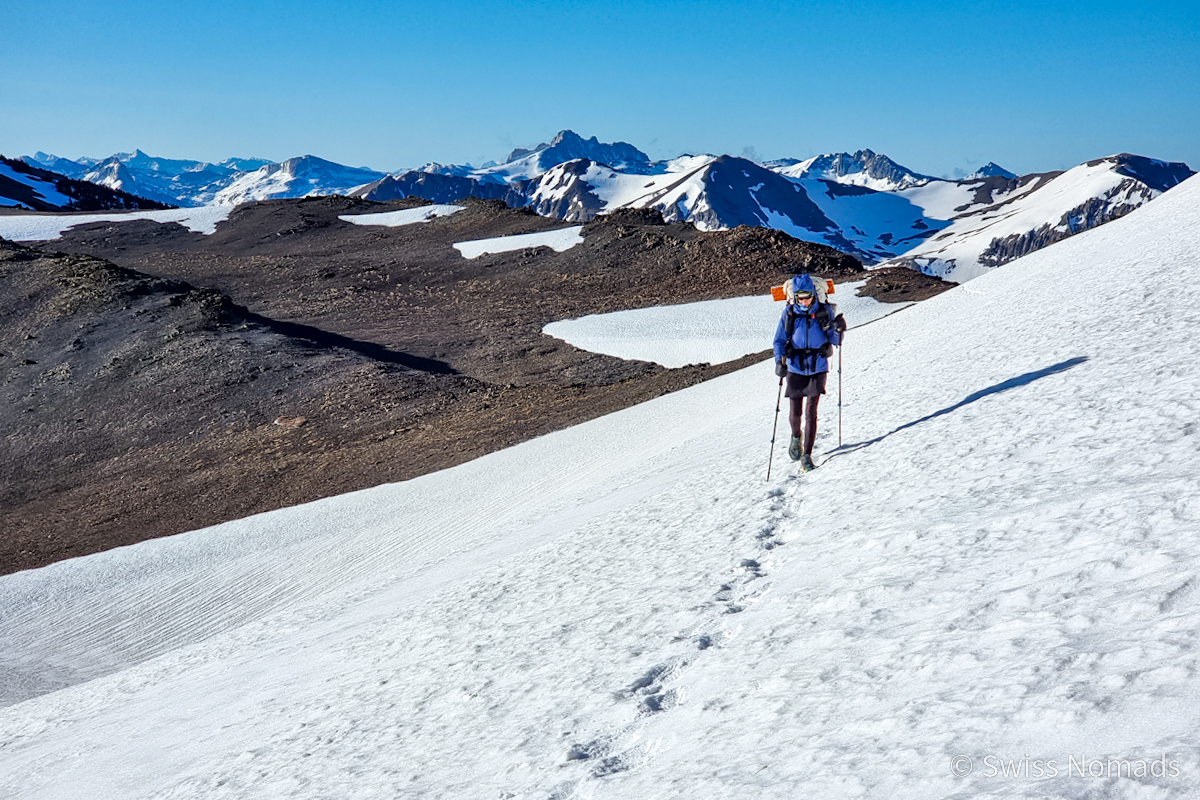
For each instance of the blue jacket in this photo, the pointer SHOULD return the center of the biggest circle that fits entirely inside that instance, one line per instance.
(807, 335)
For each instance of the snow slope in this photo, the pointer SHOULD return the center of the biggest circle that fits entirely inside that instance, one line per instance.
(1044, 207)
(45, 190)
(996, 572)
(711, 331)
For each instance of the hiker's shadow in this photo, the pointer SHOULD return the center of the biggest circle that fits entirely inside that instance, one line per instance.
(1003, 386)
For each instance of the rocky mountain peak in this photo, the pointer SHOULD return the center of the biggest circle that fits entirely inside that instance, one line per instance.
(1156, 174)
(568, 146)
(991, 170)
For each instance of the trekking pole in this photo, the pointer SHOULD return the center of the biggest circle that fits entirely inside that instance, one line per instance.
(839, 396)
(775, 427)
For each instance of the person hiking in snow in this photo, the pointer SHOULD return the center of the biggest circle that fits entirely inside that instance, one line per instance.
(807, 333)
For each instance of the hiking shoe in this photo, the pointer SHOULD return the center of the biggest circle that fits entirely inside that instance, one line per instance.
(806, 462)
(794, 448)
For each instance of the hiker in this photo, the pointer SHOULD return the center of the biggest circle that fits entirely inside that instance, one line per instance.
(807, 333)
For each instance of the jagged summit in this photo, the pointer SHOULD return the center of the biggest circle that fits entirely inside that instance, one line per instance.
(568, 146)
(862, 168)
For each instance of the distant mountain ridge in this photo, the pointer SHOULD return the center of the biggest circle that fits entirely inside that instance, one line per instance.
(864, 168)
(23, 185)
(1010, 217)
(862, 203)
(306, 176)
(188, 183)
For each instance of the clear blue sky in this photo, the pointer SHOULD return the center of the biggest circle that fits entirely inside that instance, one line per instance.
(938, 86)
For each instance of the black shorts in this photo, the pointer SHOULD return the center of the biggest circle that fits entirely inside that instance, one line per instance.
(805, 385)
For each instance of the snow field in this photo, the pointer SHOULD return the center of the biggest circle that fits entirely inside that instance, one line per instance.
(1000, 562)
(710, 331)
(418, 628)
(1021, 584)
(866, 219)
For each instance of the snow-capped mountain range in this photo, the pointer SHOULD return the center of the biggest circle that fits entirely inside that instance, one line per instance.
(863, 203)
(296, 177)
(23, 185)
(197, 183)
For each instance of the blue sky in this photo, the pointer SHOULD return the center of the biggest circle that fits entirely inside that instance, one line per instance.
(939, 87)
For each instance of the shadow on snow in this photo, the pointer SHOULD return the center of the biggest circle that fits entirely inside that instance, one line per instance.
(1003, 386)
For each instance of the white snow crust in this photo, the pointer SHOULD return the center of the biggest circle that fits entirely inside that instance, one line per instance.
(998, 572)
(45, 227)
(711, 331)
(561, 239)
(405, 216)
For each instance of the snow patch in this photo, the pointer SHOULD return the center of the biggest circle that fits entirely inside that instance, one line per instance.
(709, 331)
(405, 216)
(560, 240)
(45, 227)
